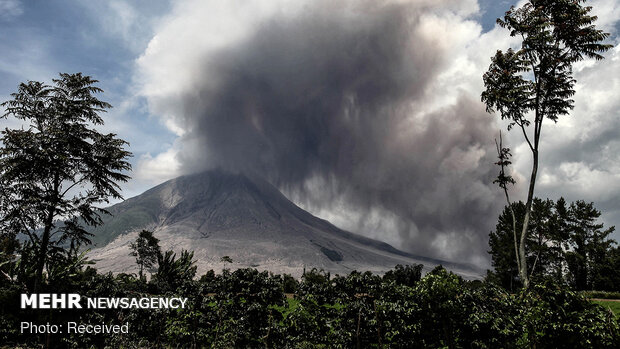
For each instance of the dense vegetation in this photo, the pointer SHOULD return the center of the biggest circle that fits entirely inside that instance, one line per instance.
(248, 308)
(566, 244)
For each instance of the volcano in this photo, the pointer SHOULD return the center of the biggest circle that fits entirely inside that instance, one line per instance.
(233, 221)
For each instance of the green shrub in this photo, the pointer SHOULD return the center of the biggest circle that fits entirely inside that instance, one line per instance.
(248, 308)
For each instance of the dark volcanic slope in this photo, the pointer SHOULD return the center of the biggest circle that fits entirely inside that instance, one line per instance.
(220, 214)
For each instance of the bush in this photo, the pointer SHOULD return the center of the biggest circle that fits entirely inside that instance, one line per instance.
(248, 308)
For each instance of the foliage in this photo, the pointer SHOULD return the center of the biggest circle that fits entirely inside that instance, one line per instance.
(590, 248)
(545, 243)
(173, 273)
(248, 308)
(534, 83)
(566, 244)
(146, 250)
(555, 317)
(407, 275)
(57, 166)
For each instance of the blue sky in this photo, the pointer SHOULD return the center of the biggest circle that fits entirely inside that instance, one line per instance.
(147, 56)
(40, 39)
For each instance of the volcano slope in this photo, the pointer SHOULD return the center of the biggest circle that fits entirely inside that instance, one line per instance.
(218, 214)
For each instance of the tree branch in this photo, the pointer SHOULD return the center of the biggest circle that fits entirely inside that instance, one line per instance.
(525, 135)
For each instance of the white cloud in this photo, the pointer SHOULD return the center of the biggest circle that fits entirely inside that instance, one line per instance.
(608, 13)
(158, 168)
(587, 142)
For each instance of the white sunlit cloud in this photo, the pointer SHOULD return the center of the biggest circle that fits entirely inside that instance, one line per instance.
(608, 13)
(590, 135)
(158, 168)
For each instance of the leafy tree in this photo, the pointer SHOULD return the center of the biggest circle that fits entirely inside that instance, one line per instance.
(407, 275)
(546, 240)
(173, 273)
(8, 249)
(289, 284)
(553, 317)
(443, 312)
(590, 246)
(146, 250)
(607, 275)
(502, 253)
(544, 244)
(536, 82)
(57, 166)
(565, 243)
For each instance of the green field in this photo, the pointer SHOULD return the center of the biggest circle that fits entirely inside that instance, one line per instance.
(614, 305)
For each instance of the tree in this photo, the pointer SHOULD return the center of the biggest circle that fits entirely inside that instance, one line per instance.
(607, 276)
(544, 244)
(565, 243)
(146, 250)
(173, 273)
(535, 82)
(590, 246)
(505, 272)
(57, 166)
(407, 275)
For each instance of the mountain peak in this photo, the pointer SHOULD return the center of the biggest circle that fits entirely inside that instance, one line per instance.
(218, 213)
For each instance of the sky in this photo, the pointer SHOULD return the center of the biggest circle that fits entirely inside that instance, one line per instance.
(366, 113)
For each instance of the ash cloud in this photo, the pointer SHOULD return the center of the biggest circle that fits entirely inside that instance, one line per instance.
(332, 105)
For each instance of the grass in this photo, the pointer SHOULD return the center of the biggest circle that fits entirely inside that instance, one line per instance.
(613, 305)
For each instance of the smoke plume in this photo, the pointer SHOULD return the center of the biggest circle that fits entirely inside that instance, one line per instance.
(333, 104)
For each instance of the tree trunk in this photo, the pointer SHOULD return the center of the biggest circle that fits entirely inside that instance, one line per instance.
(514, 233)
(45, 239)
(42, 253)
(526, 219)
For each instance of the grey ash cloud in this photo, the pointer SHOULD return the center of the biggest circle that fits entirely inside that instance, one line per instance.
(332, 104)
